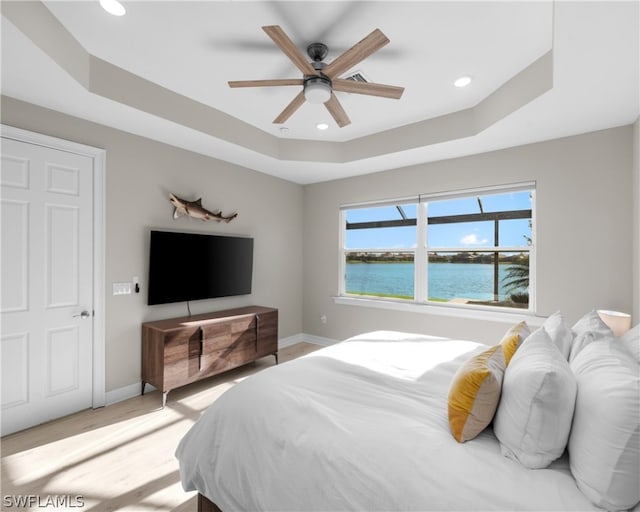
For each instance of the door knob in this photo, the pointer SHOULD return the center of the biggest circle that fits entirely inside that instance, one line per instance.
(83, 314)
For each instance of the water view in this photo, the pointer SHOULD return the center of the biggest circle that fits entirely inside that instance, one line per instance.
(447, 281)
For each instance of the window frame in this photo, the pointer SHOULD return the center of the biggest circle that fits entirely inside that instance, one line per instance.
(422, 250)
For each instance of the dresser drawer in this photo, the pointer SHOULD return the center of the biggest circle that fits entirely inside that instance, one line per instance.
(267, 333)
(237, 332)
(181, 346)
(236, 324)
(230, 341)
(219, 360)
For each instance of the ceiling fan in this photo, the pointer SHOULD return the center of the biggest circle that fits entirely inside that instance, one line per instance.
(320, 80)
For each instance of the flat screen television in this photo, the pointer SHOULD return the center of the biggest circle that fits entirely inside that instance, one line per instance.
(192, 266)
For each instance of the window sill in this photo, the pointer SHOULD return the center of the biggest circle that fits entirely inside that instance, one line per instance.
(451, 310)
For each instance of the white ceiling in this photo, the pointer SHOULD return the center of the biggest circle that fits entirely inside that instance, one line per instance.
(194, 48)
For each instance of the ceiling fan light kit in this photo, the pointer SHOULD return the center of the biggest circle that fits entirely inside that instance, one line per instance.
(321, 80)
(317, 89)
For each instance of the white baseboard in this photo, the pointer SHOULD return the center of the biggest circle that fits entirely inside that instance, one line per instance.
(132, 390)
(306, 338)
(120, 394)
(291, 340)
(318, 340)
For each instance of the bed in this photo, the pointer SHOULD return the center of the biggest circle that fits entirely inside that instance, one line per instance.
(360, 425)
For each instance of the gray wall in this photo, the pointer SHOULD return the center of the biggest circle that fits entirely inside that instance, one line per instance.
(584, 202)
(139, 175)
(586, 211)
(635, 272)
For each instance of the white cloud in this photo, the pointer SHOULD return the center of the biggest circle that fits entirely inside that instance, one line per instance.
(472, 239)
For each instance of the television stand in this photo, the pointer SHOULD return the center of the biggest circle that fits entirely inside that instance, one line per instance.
(179, 351)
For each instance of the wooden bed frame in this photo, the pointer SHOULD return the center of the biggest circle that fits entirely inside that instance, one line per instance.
(206, 505)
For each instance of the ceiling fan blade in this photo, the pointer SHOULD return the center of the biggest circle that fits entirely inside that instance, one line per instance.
(295, 104)
(386, 91)
(289, 48)
(265, 83)
(337, 112)
(358, 52)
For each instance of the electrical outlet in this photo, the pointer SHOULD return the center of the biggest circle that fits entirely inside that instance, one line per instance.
(323, 319)
(121, 288)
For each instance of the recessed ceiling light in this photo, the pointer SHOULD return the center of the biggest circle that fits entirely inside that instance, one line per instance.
(113, 7)
(463, 81)
(322, 126)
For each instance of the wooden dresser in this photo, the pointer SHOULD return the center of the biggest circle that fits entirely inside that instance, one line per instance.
(179, 351)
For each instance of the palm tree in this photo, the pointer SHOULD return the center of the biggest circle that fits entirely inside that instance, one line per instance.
(516, 279)
(516, 282)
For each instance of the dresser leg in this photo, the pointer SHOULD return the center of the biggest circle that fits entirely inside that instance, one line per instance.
(164, 398)
(276, 356)
(143, 386)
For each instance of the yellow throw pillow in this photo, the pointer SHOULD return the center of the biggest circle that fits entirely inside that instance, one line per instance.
(475, 390)
(475, 393)
(512, 339)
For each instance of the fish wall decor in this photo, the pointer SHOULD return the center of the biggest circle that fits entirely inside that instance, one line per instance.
(194, 209)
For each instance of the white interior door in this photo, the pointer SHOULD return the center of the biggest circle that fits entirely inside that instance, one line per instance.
(47, 283)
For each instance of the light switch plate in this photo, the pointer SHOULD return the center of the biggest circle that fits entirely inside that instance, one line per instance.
(121, 288)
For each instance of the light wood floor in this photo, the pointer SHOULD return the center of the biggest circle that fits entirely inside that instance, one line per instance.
(120, 457)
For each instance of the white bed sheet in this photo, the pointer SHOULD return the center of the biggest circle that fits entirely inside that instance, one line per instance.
(360, 425)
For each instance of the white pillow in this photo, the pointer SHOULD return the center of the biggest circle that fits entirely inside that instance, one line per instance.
(589, 328)
(631, 341)
(536, 407)
(559, 333)
(604, 446)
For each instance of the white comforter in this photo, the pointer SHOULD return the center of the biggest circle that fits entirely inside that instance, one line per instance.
(361, 425)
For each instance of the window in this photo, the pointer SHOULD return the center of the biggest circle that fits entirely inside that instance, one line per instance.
(380, 251)
(471, 248)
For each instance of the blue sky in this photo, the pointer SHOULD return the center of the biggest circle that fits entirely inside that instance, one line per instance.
(469, 234)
